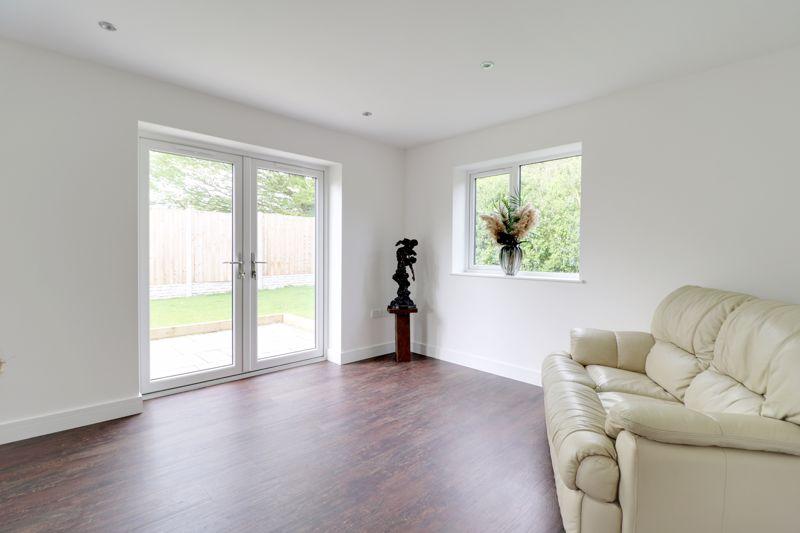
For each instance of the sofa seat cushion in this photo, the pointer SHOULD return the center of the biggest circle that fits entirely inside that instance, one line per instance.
(677, 424)
(609, 379)
(585, 457)
(610, 399)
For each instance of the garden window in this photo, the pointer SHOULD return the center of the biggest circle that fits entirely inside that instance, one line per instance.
(552, 185)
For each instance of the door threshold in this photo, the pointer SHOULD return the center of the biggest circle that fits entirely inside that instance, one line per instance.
(235, 377)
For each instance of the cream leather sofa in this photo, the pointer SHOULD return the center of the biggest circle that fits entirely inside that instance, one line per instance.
(693, 428)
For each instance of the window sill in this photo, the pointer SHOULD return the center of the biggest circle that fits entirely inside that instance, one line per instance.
(530, 276)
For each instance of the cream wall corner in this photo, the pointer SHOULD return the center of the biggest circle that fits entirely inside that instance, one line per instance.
(68, 324)
(688, 181)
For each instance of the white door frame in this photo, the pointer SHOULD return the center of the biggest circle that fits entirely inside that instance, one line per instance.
(147, 385)
(251, 233)
(244, 238)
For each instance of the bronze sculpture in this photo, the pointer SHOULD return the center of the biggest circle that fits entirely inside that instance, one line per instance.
(406, 257)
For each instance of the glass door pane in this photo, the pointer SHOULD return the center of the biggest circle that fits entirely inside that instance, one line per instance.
(191, 278)
(285, 267)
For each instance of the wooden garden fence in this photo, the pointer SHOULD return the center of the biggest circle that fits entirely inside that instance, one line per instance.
(188, 246)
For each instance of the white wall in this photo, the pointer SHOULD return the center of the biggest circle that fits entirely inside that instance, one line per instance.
(688, 181)
(68, 146)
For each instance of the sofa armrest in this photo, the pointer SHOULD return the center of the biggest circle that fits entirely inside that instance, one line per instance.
(676, 424)
(618, 349)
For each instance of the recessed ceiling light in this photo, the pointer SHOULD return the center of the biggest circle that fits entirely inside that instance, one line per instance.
(487, 65)
(107, 25)
(366, 114)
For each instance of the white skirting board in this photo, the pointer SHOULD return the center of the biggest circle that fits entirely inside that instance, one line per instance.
(359, 354)
(477, 362)
(26, 428)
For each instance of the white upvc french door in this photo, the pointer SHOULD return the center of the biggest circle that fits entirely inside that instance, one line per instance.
(230, 264)
(285, 248)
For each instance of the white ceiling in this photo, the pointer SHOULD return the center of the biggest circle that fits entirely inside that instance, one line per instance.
(413, 63)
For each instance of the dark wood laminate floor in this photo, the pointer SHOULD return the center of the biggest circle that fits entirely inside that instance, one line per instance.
(371, 446)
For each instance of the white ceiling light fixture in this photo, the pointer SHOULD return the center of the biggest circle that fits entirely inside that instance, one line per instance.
(487, 65)
(107, 25)
(366, 114)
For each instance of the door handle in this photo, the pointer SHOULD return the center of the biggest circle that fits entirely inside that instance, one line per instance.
(240, 264)
(253, 264)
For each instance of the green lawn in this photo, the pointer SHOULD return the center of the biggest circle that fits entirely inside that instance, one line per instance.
(212, 307)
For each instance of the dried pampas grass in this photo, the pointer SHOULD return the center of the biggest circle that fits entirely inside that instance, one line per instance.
(528, 218)
(511, 222)
(494, 225)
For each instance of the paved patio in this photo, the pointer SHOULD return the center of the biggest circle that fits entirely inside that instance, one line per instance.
(191, 353)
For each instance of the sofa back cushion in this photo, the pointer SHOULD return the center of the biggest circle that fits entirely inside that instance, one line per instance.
(685, 325)
(712, 392)
(759, 347)
(691, 318)
(672, 368)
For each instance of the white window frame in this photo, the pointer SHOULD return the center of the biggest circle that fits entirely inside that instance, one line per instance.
(513, 185)
(512, 167)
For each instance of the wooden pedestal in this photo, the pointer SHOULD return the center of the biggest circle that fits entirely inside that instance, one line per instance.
(402, 332)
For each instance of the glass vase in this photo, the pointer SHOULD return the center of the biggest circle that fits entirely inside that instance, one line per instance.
(510, 259)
